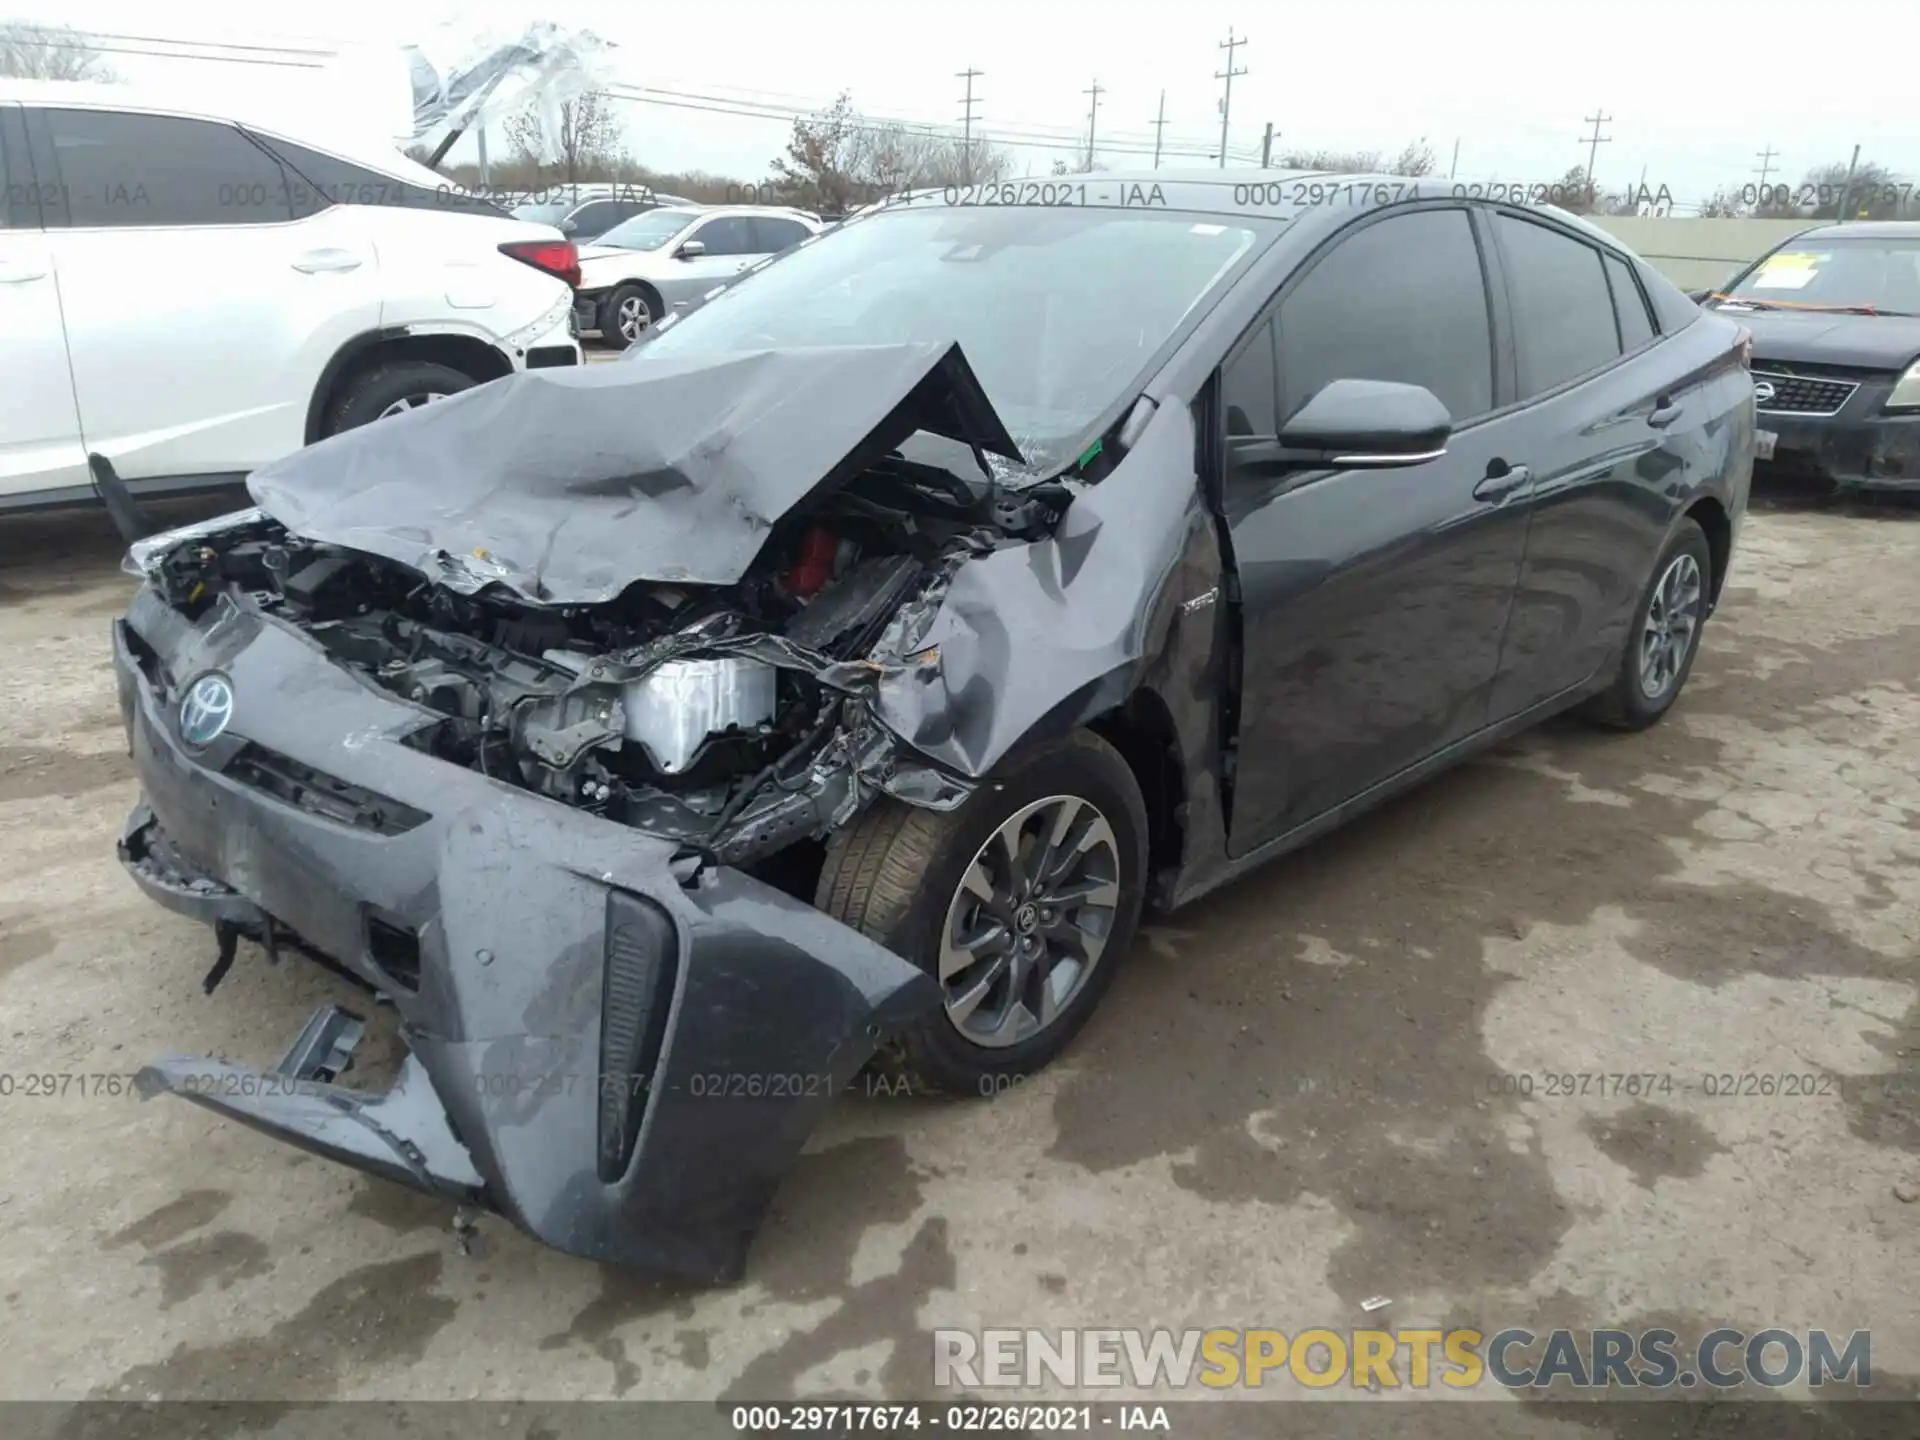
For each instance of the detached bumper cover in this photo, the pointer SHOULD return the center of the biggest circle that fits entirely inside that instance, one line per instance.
(616, 1053)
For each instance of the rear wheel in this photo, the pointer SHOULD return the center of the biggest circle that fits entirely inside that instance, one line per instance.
(391, 388)
(1020, 904)
(1665, 638)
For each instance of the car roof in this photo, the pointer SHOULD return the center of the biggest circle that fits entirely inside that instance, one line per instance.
(1865, 230)
(1290, 195)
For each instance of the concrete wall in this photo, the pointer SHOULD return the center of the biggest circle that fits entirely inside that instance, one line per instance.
(1693, 252)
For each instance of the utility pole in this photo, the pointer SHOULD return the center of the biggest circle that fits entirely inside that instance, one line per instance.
(1159, 125)
(1846, 190)
(1266, 147)
(966, 119)
(1766, 168)
(1454, 168)
(1594, 142)
(1226, 103)
(481, 136)
(1093, 109)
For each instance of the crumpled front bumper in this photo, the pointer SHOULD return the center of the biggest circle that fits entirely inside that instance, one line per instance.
(614, 1048)
(1861, 447)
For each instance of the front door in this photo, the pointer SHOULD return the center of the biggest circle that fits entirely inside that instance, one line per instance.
(1372, 602)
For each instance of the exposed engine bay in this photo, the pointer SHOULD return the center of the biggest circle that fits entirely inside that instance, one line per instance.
(732, 718)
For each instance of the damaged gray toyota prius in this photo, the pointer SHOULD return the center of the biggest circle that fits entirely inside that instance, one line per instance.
(830, 682)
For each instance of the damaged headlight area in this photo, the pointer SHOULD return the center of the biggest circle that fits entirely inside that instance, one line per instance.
(734, 719)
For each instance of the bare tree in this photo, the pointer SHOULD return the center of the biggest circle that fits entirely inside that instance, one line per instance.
(589, 140)
(1574, 192)
(836, 161)
(1725, 204)
(49, 52)
(1415, 158)
(1874, 193)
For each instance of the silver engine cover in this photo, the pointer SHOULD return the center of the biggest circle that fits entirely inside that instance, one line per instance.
(675, 708)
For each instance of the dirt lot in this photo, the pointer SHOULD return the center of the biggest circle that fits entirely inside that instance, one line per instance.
(1283, 1108)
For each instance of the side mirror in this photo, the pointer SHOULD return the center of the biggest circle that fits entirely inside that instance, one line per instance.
(569, 226)
(1700, 297)
(1367, 424)
(692, 250)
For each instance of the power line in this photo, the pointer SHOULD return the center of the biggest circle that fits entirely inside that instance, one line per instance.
(1093, 110)
(966, 138)
(1011, 138)
(1226, 103)
(172, 54)
(93, 35)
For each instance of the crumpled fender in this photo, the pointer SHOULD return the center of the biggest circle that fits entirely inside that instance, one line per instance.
(1036, 639)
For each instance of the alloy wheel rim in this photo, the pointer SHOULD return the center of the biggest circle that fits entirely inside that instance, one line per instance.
(1029, 920)
(1672, 621)
(412, 402)
(634, 317)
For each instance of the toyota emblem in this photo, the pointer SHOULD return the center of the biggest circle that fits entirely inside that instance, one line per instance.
(206, 710)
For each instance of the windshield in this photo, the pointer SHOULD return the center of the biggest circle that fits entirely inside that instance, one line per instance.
(1877, 276)
(1058, 309)
(648, 231)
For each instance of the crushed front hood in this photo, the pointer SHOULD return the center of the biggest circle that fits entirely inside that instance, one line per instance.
(568, 485)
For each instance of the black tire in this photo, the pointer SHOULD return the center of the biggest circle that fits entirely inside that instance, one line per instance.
(371, 391)
(610, 333)
(894, 872)
(1625, 704)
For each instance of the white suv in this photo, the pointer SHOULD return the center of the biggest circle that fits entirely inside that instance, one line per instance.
(190, 296)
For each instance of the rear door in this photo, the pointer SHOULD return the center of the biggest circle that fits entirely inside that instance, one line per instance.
(1618, 440)
(201, 303)
(1372, 602)
(774, 233)
(40, 441)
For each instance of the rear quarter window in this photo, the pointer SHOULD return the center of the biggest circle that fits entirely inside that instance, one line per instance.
(329, 180)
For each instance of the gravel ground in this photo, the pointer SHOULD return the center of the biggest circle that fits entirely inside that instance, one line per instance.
(1284, 1106)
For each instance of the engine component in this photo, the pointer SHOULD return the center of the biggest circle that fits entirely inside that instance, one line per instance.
(846, 617)
(814, 568)
(676, 707)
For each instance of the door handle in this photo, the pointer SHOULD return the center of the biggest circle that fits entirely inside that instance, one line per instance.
(316, 261)
(21, 274)
(1664, 413)
(1499, 482)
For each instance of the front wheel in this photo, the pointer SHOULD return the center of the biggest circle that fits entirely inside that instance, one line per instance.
(1660, 649)
(1020, 904)
(626, 314)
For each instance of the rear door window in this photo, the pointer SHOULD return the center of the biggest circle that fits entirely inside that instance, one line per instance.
(127, 169)
(1563, 317)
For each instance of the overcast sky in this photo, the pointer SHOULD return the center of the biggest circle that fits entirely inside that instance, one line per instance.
(1694, 90)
